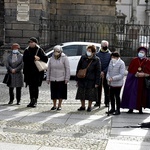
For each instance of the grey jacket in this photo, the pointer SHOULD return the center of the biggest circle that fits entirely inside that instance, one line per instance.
(16, 78)
(116, 72)
(58, 69)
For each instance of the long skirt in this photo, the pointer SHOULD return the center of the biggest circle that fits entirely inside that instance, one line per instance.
(87, 94)
(58, 90)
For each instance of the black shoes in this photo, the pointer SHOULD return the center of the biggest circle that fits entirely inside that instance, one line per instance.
(18, 103)
(130, 111)
(110, 112)
(58, 108)
(81, 108)
(116, 112)
(10, 102)
(89, 109)
(53, 108)
(96, 105)
(31, 105)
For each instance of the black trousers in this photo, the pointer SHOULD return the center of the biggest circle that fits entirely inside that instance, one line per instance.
(18, 93)
(34, 91)
(115, 97)
(105, 85)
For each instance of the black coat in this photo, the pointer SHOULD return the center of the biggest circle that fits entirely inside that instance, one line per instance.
(31, 74)
(93, 72)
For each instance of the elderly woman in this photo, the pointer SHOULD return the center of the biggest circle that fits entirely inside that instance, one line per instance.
(87, 86)
(14, 67)
(58, 75)
(115, 75)
(135, 92)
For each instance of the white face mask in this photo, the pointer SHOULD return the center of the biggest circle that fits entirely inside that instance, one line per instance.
(114, 60)
(56, 53)
(141, 55)
(15, 51)
(89, 53)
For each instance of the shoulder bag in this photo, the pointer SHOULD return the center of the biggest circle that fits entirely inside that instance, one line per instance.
(82, 72)
(7, 79)
(41, 66)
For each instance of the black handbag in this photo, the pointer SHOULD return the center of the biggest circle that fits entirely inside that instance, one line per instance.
(147, 82)
(7, 79)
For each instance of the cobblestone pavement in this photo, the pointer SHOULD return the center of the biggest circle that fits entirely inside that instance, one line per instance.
(68, 128)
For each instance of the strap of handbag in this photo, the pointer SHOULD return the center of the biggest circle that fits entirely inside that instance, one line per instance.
(89, 64)
(38, 51)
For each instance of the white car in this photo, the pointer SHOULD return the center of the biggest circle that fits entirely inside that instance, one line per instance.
(74, 50)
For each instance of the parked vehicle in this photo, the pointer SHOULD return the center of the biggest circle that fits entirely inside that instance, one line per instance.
(74, 50)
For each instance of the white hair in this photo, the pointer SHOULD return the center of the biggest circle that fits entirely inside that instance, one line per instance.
(58, 48)
(104, 43)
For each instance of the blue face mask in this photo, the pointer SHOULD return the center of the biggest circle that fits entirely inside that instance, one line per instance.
(141, 55)
(15, 51)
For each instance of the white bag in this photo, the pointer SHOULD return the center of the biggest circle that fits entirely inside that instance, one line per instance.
(41, 65)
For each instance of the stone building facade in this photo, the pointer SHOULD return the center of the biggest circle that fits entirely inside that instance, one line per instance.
(23, 17)
(26, 18)
(94, 9)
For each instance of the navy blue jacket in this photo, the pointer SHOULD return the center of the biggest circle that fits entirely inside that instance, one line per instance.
(105, 59)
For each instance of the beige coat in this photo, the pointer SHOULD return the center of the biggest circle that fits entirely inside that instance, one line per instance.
(58, 69)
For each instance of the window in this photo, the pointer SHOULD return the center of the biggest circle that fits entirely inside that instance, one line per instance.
(84, 49)
(71, 50)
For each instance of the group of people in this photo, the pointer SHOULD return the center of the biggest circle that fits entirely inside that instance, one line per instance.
(103, 69)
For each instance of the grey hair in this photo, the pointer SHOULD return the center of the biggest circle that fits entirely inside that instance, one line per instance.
(58, 48)
(104, 43)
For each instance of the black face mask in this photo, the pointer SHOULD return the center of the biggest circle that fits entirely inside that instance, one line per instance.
(105, 48)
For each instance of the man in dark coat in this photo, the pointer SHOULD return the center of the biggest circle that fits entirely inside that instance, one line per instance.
(104, 56)
(32, 76)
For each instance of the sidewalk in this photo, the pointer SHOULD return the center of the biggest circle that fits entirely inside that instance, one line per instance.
(39, 128)
(2, 70)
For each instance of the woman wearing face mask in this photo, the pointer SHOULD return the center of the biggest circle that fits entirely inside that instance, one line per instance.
(87, 87)
(32, 77)
(115, 75)
(135, 92)
(58, 75)
(14, 66)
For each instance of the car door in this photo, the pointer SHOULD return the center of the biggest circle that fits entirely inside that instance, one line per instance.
(72, 52)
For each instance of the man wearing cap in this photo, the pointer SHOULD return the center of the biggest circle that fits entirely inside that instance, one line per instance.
(135, 94)
(32, 76)
(105, 56)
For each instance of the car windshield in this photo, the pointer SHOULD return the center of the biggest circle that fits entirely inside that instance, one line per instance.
(50, 49)
(84, 49)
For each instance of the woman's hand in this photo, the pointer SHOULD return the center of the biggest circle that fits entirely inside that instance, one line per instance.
(36, 58)
(77, 84)
(66, 81)
(13, 71)
(96, 85)
(140, 74)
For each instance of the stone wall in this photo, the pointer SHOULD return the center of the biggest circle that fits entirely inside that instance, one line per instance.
(1, 22)
(21, 31)
(102, 10)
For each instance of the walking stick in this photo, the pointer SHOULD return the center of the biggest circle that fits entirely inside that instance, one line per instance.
(108, 98)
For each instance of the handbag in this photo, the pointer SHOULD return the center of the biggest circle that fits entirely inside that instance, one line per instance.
(82, 72)
(147, 82)
(41, 65)
(7, 79)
